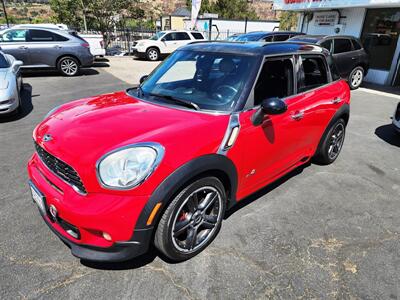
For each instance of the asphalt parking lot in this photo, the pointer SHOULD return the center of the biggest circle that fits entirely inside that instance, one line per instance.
(320, 232)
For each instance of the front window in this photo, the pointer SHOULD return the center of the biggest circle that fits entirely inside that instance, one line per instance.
(157, 36)
(18, 35)
(199, 80)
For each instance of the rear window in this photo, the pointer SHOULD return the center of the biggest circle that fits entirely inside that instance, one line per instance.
(45, 36)
(182, 36)
(197, 35)
(313, 73)
(342, 46)
(281, 37)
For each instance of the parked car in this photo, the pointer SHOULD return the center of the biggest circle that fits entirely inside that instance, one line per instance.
(164, 43)
(96, 44)
(349, 54)
(396, 118)
(10, 84)
(162, 162)
(47, 48)
(266, 36)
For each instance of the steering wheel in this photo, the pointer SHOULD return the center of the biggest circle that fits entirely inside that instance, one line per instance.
(224, 93)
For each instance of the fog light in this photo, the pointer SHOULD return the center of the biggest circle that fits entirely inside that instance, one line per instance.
(107, 237)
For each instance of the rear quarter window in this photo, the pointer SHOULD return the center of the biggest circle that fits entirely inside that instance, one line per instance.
(342, 46)
(197, 36)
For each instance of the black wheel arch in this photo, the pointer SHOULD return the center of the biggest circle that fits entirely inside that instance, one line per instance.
(208, 165)
(342, 113)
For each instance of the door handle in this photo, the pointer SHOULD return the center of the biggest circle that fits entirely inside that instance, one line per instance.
(354, 58)
(57, 46)
(23, 47)
(298, 115)
(337, 100)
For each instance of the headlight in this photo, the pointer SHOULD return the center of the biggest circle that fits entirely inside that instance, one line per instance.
(52, 112)
(128, 167)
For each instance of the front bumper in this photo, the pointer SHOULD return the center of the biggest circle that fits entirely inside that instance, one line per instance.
(9, 100)
(91, 215)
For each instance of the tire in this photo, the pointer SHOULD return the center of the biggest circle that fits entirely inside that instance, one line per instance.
(153, 54)
(331, 144)
(68, 66)
(199, 220)
(356, 77)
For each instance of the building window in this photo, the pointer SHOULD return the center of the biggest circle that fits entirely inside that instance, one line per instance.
(380, 34)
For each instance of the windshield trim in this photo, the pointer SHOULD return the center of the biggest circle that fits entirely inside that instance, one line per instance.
(178, 107)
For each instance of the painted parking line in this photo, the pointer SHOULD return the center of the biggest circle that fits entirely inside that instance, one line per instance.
(379, 93)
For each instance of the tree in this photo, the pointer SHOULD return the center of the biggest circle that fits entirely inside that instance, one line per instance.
(234, 9)
(67, 12)
(288, 20)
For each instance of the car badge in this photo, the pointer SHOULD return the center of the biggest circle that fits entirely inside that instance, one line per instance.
(47, 138)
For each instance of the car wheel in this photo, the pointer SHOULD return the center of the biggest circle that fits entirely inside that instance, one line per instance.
(153, 54)
(356, 77)
(68, 66)
(331, 144)
(192, 220)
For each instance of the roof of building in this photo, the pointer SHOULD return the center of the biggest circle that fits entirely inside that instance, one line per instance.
(181, 12)
(258, 49)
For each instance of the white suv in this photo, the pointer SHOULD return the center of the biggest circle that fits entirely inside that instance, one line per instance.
(164, 43)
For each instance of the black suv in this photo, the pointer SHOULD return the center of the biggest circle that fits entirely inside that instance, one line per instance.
(347, 51)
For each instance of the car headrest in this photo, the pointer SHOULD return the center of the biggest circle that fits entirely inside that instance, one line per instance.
(226, 65)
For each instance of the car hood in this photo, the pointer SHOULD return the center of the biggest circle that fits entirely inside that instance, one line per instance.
(85, 130)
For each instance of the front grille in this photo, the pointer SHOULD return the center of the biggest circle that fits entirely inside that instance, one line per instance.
(61, 169)
(397, 115)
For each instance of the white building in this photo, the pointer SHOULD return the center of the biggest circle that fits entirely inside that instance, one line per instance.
(375, 22)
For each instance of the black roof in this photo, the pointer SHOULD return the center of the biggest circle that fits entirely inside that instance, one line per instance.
(314, 39)
(258, 49)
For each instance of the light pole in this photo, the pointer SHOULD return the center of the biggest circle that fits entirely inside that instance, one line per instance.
(5, 13)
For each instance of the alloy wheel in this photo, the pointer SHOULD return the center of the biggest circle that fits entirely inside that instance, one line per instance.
(197, 219)
(336, 141)
(153, 55)
(69, 67)
(357, 78)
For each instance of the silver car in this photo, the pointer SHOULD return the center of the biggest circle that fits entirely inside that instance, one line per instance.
(47, 48)
(10, 84)
(396, 119)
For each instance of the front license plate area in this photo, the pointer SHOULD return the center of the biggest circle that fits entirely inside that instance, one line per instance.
(38, 198)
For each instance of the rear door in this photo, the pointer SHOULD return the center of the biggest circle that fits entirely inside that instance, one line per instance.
(183, 39)
(45, 47)
(13, 42)
(344, 56)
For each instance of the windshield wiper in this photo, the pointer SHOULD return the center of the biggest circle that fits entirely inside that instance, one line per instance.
(178, 101)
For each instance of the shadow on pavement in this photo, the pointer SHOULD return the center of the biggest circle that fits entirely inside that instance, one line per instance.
(55, 73)
(26, 106)
(388, 134)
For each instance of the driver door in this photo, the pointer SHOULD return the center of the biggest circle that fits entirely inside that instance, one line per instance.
(274, 146)
(171, 43)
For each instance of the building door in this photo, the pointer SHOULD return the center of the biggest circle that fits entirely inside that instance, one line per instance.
(380, 37)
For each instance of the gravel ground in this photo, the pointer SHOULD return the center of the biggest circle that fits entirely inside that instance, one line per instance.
(320, 232)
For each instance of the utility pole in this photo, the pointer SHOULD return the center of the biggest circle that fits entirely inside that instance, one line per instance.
(84, 15)
(5, 13)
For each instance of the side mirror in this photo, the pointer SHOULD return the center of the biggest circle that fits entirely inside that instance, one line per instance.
(271, 106)
(163, 40)
(17, 64)
(143, 79)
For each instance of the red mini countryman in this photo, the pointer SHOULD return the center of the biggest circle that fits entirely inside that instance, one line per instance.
(161, 163)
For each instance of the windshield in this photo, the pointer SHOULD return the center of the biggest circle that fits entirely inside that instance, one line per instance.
(206, 80)
(157, 36)
(249, 38)
(3, 62)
